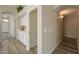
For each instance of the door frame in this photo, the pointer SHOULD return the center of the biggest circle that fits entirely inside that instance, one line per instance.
(39, 28)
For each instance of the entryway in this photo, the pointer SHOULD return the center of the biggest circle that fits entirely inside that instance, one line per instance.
(67, 25)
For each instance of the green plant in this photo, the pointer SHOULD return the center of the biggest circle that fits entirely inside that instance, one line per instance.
(19, 8)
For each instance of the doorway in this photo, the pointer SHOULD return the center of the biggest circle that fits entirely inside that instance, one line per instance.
(67, 30)
(33, 31)
(8, 23)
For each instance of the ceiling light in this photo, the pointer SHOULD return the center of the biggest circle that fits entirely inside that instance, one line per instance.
(60, 16)
(5, 20)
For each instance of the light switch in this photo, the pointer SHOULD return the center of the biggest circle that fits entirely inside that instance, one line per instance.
(45, 30)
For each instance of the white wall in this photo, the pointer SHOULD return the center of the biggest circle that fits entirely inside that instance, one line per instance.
(60, 28)
(12, 26)
(5, 27)
(70, 27)
(49, 25)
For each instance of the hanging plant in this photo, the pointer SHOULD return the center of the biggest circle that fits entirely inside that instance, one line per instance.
(19, 8)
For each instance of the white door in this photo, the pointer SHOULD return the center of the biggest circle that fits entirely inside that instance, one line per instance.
(33, 28)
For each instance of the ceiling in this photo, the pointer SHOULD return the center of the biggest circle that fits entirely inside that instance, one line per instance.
(68, 11)
(13, 6)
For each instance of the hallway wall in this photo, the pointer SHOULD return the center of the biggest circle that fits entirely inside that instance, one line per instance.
(12, 26)
(60, 28)
(70, 28)
(49, 26)
(5, 27)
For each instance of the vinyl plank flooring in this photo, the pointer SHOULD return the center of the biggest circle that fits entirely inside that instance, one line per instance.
(9, 45)
(67, 46)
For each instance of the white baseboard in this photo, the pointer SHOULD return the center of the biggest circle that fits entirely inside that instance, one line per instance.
(70, 36)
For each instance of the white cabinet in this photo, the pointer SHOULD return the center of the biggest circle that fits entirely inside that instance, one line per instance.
(22, 36)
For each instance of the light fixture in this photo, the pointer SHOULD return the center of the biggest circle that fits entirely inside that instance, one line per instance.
(61, 15)
(5, 20)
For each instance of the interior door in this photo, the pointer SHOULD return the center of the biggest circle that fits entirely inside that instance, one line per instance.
(33, 28)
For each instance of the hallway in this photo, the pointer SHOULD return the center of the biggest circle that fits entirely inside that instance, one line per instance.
(39, 29)
(67, 46)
